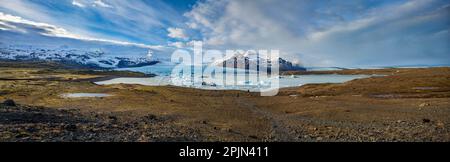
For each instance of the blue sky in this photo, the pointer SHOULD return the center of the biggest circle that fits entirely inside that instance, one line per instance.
(312, 32)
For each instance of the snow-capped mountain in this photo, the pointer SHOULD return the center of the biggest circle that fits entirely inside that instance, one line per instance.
(251, 60)
(29, 43)
(86, 57)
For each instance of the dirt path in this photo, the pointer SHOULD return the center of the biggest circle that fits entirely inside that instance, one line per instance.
(279, 131)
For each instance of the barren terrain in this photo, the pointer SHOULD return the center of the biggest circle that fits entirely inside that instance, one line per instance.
(401, 105)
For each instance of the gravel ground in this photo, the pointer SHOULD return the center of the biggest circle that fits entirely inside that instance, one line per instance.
(404, 105)
(28, 123)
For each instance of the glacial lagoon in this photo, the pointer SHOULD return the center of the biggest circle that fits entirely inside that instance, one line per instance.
(164, 78)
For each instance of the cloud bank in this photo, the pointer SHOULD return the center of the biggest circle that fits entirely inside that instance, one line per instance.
(350, 33)
(18, 24)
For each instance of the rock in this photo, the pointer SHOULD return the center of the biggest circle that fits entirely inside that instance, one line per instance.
(426, 120)
(113, 118)
(253, 136)
(9, 102)
(287, 112)
(151, 117)
(424, 104)
(31, 129)
(22, 135)
(70, 127)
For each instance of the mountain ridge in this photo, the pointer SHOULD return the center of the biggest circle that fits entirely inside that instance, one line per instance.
(251, 61)
(83, 57)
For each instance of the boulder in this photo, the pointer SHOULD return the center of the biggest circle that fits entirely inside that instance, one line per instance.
(9, 102)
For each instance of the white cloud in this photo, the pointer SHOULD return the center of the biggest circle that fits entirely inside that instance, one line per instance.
(177, 44)
(15, 23)
(100, 3)
(128, 20)
(336, 35)
(176, 33)
(23, 8)
(93, 3)
(78, 4)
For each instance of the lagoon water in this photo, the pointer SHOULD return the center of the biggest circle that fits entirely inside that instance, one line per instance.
(81, 95)
(153, 81)
(164, 78)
